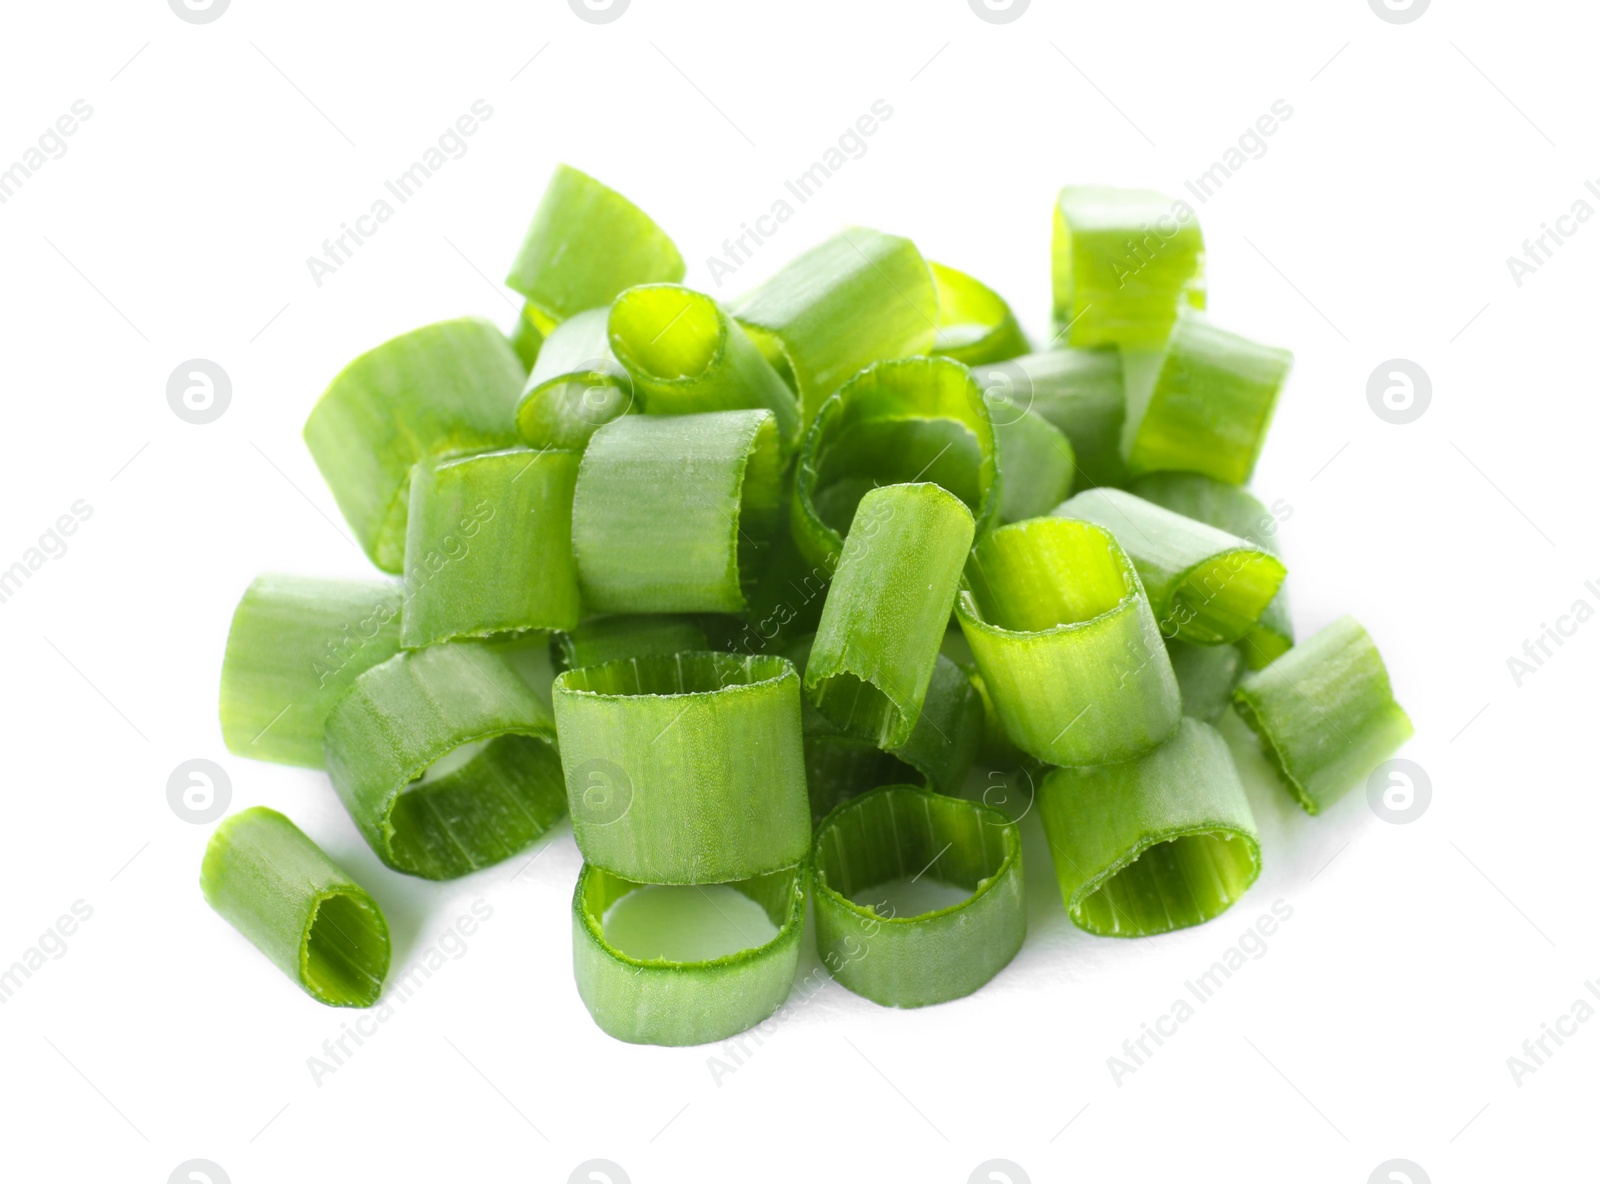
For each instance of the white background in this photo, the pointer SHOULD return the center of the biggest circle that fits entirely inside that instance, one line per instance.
(177, 225)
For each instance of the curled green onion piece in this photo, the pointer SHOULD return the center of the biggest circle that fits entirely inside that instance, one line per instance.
(906, 420)
(526, 339)
(676, 513)
(1122, 261)
(1324, 713)
(1069, 650)
(1206, 405)
(1077, 390)
(657, 1001)
(1036, 463)
(1206, 676)
(440, 390)
(858, 298)
(887, 609)
(586, 245)
(489, 546)
(275, 886)
(575, 386)
(607, 639)
(686, 355)
(1205, 585)
(446, 760)
(685, 769)
(900, 832)
(294, 648)
(975, 324)
(1155, 844)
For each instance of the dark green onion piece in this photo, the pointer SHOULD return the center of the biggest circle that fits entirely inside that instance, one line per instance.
(975, 324)
(607, 639)
(526, 339)
(1077, 390)
(575, 386)
(1036, 463)
(1206, 675)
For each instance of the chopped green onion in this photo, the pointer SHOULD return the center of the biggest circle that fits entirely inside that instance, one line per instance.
(975, 324)
(586, 245)
(1035, 462)
(899, 832)
(674, 513)
(1069, 650)
(606, 639)
(489, 546)
(1206, 676)
(1324, 713)
(575, 386)
(685, 769)
(275, 886)
(1205, 585)
(526, 339)
(441, 390)
(1077, 390)
(294, 648)
(446, 760)
(1155, 844)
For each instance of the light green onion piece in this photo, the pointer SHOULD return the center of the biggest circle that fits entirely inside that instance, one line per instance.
(676, 513)
(275, 886)
(686, 355)
(1077, 390)
(975, 324)
(1069, 650)
(657, 1001)
(1121, 263)
(586, 245)
(575, 386)
(642, 635)
(887, 609)
(446, 760)
(489, 546)
(1324, 713)
(1205, 406)
(294, 648)
(1206, 676)
(1036, 463)
(1205, 585)
(685, 769)
(526, 339)
(906, 420)
(899, 832)
(441, 390)
(858, 298)
(1155, 844)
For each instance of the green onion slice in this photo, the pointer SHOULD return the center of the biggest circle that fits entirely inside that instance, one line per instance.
(676, 513)
(586, 245)
(975, 324)
(1206, 675)
(446, 760)
(1205, 585)
(900, 832)
(294, 648)
(641, 635)
(858, 298)
(658, 1001)
(489, 546)
(1069, 650)
(275, 886)
(685, 769)
(1035, 462)
(1155, 844)
(906, 420)
(526, 339)
(1324, 713)
(1077, 390)
(575, 386)
(440, 390)
(887, 609)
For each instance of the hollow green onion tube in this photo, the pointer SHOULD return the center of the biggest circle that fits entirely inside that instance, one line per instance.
(489, 546)
(905, 420)
(1324, 713)
(275, 886)
(685, 769)
(899, 832)
(575, 386)
(1077, 390)
(1206, 676)
(858, 298)
(887, 609)
(658, 1001)
(607, 639)
(1070, 653)
(441, 390)
(1036, 463)
(975, 324)
(1237, 511)
(1154, 844)
(1205, 585)
(526, 339)
(686, 355)
(676, 513)
(586, 245)
(294, 648)
(446, 760)
(1122, 261)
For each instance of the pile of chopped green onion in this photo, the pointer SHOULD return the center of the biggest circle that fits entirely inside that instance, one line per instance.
(797, 562)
